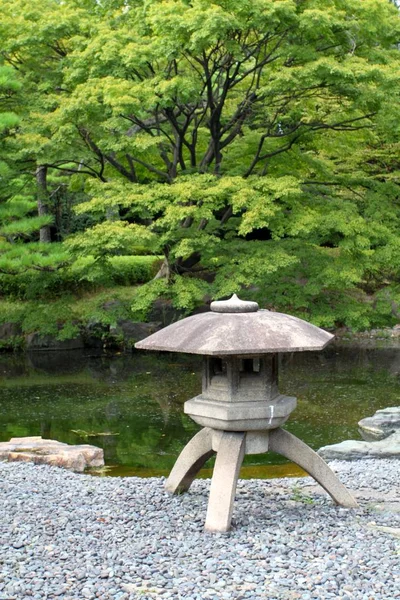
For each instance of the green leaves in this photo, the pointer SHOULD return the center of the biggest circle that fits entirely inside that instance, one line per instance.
(253, 144)
(24, 227)
(109, 238)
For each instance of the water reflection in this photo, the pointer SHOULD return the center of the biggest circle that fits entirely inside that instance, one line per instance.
(131, 405)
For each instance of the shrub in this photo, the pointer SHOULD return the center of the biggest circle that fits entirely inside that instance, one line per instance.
(83, 275)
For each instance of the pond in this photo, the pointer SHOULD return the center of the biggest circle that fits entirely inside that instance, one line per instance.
(132, 405)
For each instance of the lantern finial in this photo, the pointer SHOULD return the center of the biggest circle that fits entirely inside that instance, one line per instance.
(234, 305)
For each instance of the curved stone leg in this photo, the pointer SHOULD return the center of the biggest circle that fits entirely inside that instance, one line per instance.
(224, 480)
(288, 445)
(190, 461)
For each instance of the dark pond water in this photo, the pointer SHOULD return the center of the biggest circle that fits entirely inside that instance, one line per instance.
(131, 405)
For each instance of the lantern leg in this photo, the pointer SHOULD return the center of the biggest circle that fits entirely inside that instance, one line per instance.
(291, 447)
(190, 461)
(229, 459)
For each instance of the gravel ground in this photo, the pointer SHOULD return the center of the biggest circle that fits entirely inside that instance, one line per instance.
(75, 537)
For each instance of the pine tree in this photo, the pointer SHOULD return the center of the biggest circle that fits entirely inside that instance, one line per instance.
(18, 222)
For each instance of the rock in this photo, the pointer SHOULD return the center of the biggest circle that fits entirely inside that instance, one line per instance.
(50, 452)
(35, 341)
(381, 425)
(162, 310)
(11, 337)
(381, 435)
(390, 530)
(9, 330)
(131, 588)
(94, 333)
(141, 557)
(355, 450)
(135, 331)
(112, 305)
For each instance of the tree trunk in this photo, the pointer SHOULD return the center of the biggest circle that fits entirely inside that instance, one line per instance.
(42, 200)
(164, 271)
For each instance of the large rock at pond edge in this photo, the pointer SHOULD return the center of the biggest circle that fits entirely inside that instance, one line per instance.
(35, 341)
(355, 450)
(8, 331)
(381, 435)
(381, 425)
(133, 331)
(51, 452)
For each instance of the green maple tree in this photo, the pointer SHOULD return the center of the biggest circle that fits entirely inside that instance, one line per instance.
(249, 143)
(236, 134)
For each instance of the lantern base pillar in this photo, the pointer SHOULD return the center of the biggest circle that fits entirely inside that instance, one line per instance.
(230, 448)
(291, 447)
(194, 455)
(256, 442)
(231, 451)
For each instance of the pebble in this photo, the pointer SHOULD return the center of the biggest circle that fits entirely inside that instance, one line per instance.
(70, 536)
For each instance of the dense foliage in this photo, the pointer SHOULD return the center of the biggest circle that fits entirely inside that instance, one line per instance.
(254, 145)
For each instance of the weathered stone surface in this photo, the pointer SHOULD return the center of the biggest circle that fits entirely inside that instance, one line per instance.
(134, 331)
(356, 450)
(395, 531)
(240, 416)
(381, 434)
(234, 305)
(35, 341)
(9, 330)
(240, 397)
(50, 452)
(381, 425)
(190, 461)
(230, 448)
(237, 333)
(223, 484)
(291, 447)
(162, 311)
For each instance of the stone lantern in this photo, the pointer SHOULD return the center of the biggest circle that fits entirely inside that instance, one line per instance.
(240, 408)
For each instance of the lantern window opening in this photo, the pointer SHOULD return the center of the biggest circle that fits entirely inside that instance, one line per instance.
(250, 366)
(218, 366)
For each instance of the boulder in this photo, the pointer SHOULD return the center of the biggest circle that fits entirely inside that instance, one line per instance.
(381, 435)
(356, 450)
(381, 425)
(11, 337)
(35, 341)
(133, 331)
(9, 331)
(162, 311)
(50, 452)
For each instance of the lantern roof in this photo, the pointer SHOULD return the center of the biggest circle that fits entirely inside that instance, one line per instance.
(237, 327)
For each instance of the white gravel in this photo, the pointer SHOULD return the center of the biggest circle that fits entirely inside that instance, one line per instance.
(77, 537)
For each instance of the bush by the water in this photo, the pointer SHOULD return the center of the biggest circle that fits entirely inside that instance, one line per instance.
(88, 295)
(84, 274)
(65, 318)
